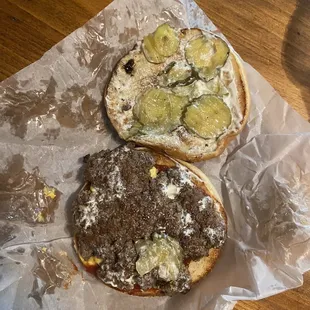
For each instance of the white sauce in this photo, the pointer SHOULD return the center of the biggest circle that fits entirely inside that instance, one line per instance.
(171, 190)
(119, 276)
(186, 176)
(129, 88)
(90, 214)
(188, 231)
(186, 218)
(215, 235)
(204, 203)
(212, 233)
(116, 182)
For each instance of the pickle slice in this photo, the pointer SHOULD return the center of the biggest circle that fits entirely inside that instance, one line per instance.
(177, 105)
(168, 68)
(200, 88)
(207, 117)
(166, 40)
(207, 74)
(175, 73)
(207, 55)
(215, 87)
(179, 73)
(159, 111)
(150, 51)
(199, 52)
(135, 128)
(187, 90)
(153, 109)
(221, 52)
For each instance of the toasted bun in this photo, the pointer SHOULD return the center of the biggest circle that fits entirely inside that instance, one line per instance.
(199, 268)
(124, 88)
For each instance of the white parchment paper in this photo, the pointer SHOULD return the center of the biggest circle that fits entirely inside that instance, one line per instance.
(51, 114)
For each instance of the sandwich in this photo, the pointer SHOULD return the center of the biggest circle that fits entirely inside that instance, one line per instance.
(147, 224)
(183, 92)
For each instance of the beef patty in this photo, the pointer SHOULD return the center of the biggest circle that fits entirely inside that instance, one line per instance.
(132, 195)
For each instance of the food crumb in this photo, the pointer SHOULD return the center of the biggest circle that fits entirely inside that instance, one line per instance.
(49, 192)
(153, 172)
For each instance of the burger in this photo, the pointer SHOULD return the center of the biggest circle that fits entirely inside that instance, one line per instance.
(181, 91)
(147, 224)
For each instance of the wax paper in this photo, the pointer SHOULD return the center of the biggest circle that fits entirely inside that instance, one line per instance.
(52, 115)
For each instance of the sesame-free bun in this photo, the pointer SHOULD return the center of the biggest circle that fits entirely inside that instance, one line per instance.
(124, 89)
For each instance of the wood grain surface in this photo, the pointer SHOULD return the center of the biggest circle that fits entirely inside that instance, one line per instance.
(272, 35)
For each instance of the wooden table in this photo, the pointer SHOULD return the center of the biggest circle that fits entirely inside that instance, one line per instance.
(272, 35)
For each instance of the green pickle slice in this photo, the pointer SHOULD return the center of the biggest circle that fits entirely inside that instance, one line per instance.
(135, 128)
(188, 90)
(199, 52)
(215, 87)
(150, 52)
(166, 40)
(207, 55)
(153, 109)
(199, 88)
(207, 74)
(221, 52)
(159, 111)
(207, 117)
(175, 74)
(177, 105)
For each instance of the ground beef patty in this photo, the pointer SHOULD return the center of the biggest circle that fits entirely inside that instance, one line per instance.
(128, 197)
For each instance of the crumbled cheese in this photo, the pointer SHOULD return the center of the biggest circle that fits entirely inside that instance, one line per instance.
(130, 280)
(211, 232)
(171, 190)
(185, 176)
(186, 218)
(120, 276)
(215, 235)
(116, 182)
(90, 213)
(111, 283)
(188, 231)
(204, 203)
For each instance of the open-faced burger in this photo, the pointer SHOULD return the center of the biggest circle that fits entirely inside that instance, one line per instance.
(147, 224)
(183, 92)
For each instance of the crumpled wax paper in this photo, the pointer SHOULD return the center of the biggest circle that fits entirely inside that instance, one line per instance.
(51, 116)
